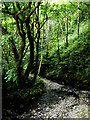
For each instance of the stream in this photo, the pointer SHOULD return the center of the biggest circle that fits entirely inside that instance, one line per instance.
(58, 102)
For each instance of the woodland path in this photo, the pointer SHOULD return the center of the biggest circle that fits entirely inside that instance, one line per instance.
(59, 102)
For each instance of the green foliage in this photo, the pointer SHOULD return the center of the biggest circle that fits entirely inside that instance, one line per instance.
(38, 87)
(68, 63)
(73, 67)
(10, 74)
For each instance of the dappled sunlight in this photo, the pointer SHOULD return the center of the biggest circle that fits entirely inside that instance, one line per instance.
(45, 59)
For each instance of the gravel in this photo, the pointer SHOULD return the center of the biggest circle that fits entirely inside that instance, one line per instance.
(60, 102)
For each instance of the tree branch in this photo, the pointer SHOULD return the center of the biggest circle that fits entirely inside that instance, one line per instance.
(87, 4)
(78, 8)
(23, 42)
(45, 21)
(26, 50)
(7, 12)
(38, 3)
(18, 27)
(14, 49)
(24, 9)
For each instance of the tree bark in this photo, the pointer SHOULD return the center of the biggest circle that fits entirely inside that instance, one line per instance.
(31, 43)
(61, 28)
(71, 22)
(58, 51)
(47, 48)
(41, 53)
(37, 45)
(78, 19)
(67, 31)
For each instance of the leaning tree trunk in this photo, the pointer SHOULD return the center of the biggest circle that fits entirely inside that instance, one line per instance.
(41, 52)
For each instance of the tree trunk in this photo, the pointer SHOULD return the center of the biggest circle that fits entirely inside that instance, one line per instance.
(58, 51)
(71, 22)
(78, 19)
(31, 43)
(20, 77)
(67, 31)
(47, 28)
(37, 45)
(41, 52)
(61, 28)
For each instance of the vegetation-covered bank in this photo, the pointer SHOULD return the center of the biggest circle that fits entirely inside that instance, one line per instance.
(68, 57)
(73, 66)
(16, 101)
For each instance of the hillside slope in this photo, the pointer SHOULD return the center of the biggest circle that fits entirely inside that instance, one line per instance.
(73, 66)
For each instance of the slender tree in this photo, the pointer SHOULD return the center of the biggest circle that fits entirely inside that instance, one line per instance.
(78, 19)
(71, 21)
(47, 38)
(37, 45)
(41, 51)
(67, 30)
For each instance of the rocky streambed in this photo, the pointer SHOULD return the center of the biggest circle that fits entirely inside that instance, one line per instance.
(59, 102)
